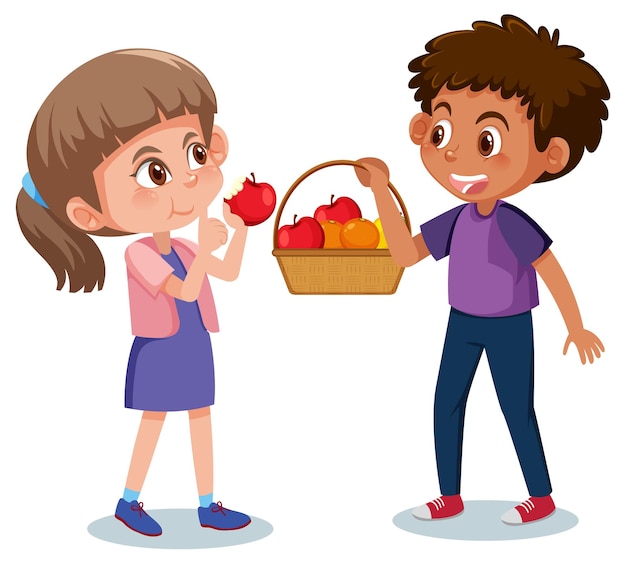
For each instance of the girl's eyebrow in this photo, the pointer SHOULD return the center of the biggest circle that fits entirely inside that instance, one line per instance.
(189, 136)
(144, 150)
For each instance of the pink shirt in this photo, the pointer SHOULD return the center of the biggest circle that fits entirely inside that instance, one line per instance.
(153, 312)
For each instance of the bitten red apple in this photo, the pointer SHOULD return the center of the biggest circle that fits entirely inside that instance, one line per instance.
(306, 232)
(340, 210)
(253, 201)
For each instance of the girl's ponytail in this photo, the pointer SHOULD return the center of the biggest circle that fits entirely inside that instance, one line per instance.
(71, 253)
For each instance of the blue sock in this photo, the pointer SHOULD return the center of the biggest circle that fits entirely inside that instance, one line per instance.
(206, 500)
(130, 496)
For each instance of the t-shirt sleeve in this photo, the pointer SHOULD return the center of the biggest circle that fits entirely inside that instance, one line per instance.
(147, 266)
(437, 232)
(527, 239)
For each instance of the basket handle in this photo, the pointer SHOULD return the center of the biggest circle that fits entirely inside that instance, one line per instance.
(279, 213)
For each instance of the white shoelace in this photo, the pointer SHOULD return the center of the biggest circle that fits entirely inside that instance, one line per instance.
(528, 505)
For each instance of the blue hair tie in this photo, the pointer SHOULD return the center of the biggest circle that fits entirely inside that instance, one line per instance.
(31, 190)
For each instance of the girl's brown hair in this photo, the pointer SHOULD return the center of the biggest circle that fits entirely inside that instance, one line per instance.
(104, 102)
(563, 93)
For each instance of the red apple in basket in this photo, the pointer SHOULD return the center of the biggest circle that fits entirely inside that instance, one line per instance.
(340, 210)
(253, 201)
(306, 232)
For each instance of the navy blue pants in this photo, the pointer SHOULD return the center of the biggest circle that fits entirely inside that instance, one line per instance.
(508, 344)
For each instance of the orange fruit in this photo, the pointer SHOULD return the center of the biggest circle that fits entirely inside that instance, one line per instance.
(359, 233)
(332, 233)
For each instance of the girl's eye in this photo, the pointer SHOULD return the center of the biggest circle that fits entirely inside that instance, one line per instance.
(442, 132)
(152, 174)
(196, 156)
(489, 142)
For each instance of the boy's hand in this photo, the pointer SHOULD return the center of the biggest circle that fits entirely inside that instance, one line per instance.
(373, 173)
(588, 344)
(212, 234)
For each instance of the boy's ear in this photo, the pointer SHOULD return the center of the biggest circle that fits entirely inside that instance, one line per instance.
(218, 147)
(420, 124)
(83, 216)
(557, 155)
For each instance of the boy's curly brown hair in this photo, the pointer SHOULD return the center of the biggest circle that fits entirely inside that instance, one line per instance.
(563, 93)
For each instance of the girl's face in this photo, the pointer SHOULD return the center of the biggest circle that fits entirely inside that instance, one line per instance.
(162, 179)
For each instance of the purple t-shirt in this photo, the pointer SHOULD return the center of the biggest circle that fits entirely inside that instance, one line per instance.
(490, 268)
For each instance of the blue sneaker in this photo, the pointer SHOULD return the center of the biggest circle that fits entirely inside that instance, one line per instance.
(219, 518)
(136, 518)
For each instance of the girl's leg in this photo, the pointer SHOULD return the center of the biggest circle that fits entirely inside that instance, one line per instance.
(128, 510)
(145, 444)
(211, 515)
(202, 448)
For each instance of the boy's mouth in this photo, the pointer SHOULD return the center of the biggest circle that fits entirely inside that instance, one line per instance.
(469, 184)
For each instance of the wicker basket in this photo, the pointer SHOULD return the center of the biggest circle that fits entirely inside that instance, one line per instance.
(326, 271)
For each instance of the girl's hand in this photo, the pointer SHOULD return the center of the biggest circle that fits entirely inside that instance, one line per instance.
(212, 234)
(231, 218)
(373, 173)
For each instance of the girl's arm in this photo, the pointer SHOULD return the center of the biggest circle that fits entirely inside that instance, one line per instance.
(212, 234)
(587, 343)
(228, 268)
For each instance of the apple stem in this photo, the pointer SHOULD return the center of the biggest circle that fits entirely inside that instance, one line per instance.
(294, 219)
(331, 198)
(253, 178)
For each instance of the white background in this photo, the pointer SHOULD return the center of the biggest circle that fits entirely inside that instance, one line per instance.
(323, 416)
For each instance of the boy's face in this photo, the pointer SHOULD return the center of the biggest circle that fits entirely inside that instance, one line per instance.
(481, 147)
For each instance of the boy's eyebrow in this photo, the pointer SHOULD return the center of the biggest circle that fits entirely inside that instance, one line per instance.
(144, 150)
(493, 114)
(443, 105)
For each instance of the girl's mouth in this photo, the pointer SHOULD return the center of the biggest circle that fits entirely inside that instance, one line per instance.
(469, 185)
(181, 212)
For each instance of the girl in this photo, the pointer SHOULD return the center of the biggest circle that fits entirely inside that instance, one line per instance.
(126, 144)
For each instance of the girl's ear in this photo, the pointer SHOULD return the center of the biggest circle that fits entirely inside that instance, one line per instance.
(419, 126)
(557, 155)
(218, 148)
(83, 216)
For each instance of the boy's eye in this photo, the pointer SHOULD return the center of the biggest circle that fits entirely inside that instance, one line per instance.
(442, 131)
(152, 174)
(196, 156)
(489, 142)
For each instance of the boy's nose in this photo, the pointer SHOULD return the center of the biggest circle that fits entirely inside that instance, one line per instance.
(193, 180)
(450, 156)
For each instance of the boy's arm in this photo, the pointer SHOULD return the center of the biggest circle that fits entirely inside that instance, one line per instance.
(587, 343)
(405, 250)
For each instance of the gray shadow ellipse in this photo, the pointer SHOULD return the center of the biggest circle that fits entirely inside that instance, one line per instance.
(181, 530)
(481, 521)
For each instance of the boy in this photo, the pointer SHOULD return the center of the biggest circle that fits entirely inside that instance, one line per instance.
(503, 107)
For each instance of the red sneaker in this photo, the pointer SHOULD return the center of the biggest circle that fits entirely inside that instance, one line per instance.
(531, 510)
(442, 507)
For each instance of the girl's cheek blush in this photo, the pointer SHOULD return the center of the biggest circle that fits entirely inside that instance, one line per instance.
(145, 199)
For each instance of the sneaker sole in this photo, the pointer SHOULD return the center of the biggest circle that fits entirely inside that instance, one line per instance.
(137, 531)
(226, 529)
(431, 519)
(528, 521)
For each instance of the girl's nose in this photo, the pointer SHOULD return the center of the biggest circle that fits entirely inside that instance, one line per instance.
(450, 156)
(193, 180)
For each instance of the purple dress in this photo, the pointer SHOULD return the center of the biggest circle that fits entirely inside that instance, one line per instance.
(174, 373)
